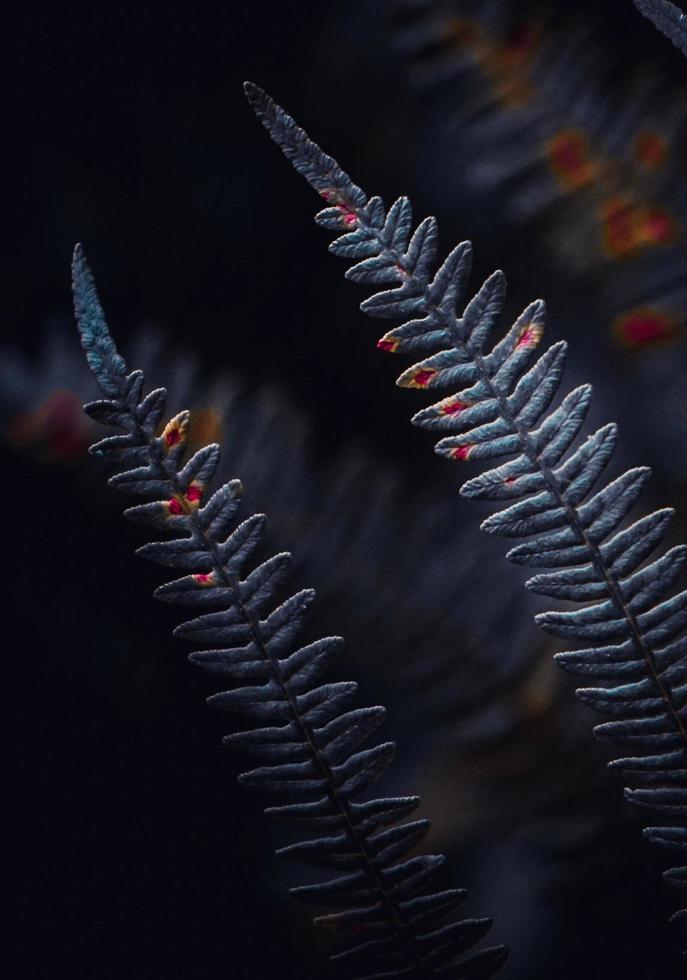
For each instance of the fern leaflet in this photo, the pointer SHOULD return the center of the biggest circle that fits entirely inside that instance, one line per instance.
(636, 635)
(311, 736)
(668, 19)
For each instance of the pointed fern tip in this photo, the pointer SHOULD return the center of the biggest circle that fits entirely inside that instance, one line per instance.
(254, 93)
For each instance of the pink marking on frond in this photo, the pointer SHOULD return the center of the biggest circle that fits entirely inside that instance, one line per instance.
(389, 344)
(453, 407)
(530, 336)
(175, 431)
(461, 452)
(204, 579)
(422, 378)
(509, 481)
(350, 218)
(194, 493)
(175, 507)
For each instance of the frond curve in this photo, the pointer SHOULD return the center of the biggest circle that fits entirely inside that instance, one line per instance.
(634, 627)
(309, 734)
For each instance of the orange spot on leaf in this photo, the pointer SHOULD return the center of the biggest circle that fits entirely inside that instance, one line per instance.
(569, 158)
(629, 227)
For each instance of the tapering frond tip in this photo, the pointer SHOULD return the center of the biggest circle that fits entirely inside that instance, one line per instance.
(104, 359)
(668, 19)
(321, 171)
(257, 96)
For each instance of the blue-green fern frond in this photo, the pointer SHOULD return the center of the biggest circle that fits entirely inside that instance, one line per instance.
(668, 18)
(633, 625)
(308, 732)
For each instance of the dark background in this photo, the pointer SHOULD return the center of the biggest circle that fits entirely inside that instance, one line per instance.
(131, 852)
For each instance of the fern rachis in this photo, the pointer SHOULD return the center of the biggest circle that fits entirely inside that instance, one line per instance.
(501, 412)
(312, 737)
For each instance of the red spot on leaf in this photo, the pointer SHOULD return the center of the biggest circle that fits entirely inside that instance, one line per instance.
(204, 579)
(194, 493)
(658, 227)
(570, 159)
(175, 507)
(453, 408)
(461, 452)
(509, 481)
(644, 327)
(58, 429)
(172, 436)
(651, 149)
(350, 218)
(530, 336)
(423, 377)
(389, 344)
(629, 227)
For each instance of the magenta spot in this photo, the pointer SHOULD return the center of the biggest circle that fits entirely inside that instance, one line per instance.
(422, 378)
(453, 408)
(509, 481)
(644, 328)
(461, 452)
(174, 506)
(529, 338)
(203, 579)
(172, 437)
(194, 493)
(387, 344)
(350, 219)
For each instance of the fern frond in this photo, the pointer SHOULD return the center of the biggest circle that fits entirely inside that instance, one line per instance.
(519, 121)
(485, 688)
(310, 736)
(633, 626)
(668, 19)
